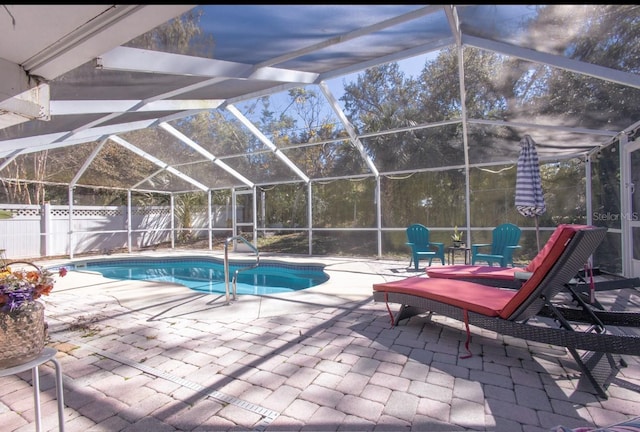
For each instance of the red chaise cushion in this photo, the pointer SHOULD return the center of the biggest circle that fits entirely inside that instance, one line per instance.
(535, 262)
(472, 271)
(485, 300)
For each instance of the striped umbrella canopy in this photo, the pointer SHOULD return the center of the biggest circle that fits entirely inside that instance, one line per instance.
(529, 194)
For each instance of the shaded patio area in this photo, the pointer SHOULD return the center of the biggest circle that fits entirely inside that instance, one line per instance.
(144, 356)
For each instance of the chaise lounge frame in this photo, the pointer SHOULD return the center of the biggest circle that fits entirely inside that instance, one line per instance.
(582, 287)
(419, 295)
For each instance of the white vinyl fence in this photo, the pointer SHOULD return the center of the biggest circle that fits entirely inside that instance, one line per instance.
(36, 231)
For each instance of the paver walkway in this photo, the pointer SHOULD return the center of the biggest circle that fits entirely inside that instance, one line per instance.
(141, 356)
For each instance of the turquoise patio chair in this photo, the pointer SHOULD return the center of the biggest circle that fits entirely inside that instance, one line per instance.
(421, 247)
(504, 243)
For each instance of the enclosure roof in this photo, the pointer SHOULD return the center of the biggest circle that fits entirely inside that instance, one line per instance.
(75, 75)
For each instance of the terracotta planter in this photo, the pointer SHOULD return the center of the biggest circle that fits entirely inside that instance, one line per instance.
(22, 334)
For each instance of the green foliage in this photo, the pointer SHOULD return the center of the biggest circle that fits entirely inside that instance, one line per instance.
(284, 206)
(421, 156)
(185, 206)
(354, 208)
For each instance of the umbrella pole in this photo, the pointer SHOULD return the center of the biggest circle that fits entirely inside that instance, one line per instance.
(537, 233)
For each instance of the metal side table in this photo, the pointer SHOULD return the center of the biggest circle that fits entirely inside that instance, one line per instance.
(48, 354)
(451, 254)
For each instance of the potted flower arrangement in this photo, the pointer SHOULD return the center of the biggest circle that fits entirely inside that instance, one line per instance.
(457, 237)
(23, 330)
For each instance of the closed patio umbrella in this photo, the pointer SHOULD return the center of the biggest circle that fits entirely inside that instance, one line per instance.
(529, 195)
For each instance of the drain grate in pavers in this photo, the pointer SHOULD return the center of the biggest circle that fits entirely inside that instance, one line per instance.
(268, 415)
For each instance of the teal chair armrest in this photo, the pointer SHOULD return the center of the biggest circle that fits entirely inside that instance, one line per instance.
(508, 255)
(475, 247)
(440, 252)
(511, 249)
(474, 251)
(440, 246)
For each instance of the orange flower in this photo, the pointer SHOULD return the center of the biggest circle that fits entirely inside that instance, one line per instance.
(42, 290)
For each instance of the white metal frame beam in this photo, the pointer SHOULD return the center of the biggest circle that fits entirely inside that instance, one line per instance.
(266, 141)
(183, 138)
(71, 107)
(348, 127)
(148, 61)
(116, 25)
(582, 68)
(163, 165)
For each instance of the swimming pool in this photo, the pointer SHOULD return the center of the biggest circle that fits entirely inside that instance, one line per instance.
(207, 274)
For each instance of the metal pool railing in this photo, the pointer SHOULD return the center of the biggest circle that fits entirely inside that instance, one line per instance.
(226, 265)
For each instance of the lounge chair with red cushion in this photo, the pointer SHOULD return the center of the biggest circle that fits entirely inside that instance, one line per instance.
(508, 311)
(514, 277)
(477, 272)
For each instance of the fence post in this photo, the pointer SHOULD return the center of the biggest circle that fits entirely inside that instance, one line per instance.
(45, 229)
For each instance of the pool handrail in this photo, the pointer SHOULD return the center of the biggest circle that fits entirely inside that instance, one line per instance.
(226, 265)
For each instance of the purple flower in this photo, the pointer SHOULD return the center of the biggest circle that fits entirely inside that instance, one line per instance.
(16, 298)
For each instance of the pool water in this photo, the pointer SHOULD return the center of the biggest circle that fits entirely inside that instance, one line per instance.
(207, 275)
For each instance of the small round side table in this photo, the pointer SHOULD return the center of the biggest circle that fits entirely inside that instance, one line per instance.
(48, 354)
(451, 254)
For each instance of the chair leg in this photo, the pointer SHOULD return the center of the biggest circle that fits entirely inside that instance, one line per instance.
(598, 369)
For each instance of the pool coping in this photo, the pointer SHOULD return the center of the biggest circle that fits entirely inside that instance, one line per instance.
(309, 274)
(168, 299)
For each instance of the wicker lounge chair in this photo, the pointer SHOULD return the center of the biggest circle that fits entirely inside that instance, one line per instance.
(508, 311)
(583, 284)
(506, 277)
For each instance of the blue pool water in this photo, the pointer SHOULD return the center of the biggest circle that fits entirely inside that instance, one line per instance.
(207, 274)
